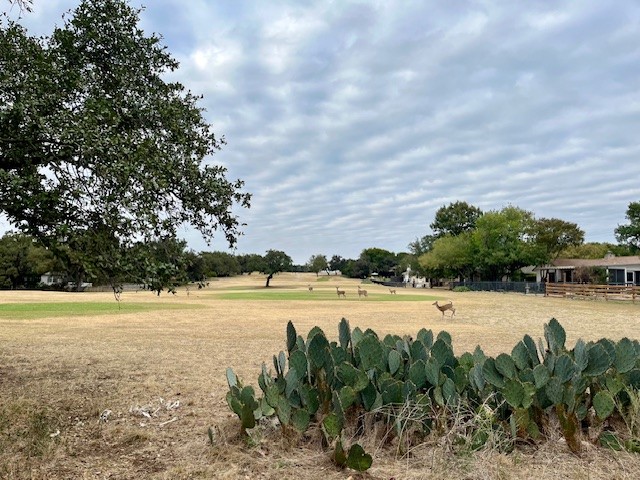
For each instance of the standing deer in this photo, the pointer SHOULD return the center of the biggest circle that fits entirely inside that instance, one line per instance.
(392, 291)
(341, 293)
(310, 288)
(445, 307)
(362, 293)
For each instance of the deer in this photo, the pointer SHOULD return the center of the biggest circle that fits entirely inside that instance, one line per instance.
(392, 291)
(310, 288)
(341, 293)
(445, 307)
(362, 293)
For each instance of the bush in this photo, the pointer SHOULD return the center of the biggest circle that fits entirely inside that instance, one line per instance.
(461, 288)
(418, 387)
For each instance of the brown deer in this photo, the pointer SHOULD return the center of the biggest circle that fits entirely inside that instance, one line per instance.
(392, 291)
(362, 293)
(310, 288)
(445, 307)
(341, 293)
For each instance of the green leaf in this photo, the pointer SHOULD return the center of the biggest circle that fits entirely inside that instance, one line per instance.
(554, 390)
(564, 368)
(532, 350)
(555, 336)
(344, 333)
(432, 372)
(603, 404)
(298, 362)
(371, 353)
(291, 337)
(417, 374)
(491, 374)
(541, 375)
(418, 351)
(599, 360)
(318, 350)
(332, 426)
(580, 356)
(626, 357)
(395, 360)
(291, 381)
(300, 420)
(357, 459)
(339, 455)
(520, 356)
(232, 380)
(505, 365)
(348, 396)
(513, 393)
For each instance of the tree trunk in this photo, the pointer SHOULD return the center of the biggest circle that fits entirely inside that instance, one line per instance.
(269, 279)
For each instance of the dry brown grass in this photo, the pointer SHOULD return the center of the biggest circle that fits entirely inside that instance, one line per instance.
(61, 373)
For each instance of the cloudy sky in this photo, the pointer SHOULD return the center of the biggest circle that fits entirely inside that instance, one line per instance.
(353, 122)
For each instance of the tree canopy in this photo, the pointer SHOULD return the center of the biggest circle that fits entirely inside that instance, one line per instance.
(97, 149)
(629, 234)
(317, 263)
(455, 218)
(276, 261)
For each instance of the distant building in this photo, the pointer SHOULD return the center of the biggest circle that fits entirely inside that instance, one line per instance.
(620, 270)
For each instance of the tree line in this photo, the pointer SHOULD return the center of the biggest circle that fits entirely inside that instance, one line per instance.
(464, 242)
(102, 160)
(468, 243)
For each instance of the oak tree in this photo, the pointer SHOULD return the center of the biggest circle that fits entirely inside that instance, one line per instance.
(98, 150)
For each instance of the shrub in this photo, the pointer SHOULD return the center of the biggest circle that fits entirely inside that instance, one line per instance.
(462, 288)
(418, 387)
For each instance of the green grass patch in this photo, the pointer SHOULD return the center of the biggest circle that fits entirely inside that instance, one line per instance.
(22, 311)
(322, 296)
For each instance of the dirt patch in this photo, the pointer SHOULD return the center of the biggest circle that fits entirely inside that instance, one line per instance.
(61, 374)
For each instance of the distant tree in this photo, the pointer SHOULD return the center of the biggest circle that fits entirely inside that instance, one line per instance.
(377, 260)
(251, 262)
(337, 263)
(22, 261)
(159, 264)
(503, 243)
(194, 265)
(223, 264)
(593, 250)
(555, 235)
(422, 245)
(95, 141)
(276, 261)
(451, 256)
(630, 234)
(454, 219)
(317, 263)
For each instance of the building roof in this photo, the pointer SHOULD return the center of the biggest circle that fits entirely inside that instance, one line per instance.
(609, 261)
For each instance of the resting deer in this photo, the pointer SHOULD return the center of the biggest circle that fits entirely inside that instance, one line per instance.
(341, 293)
(362, 293)
(392, 291)
(445, 307)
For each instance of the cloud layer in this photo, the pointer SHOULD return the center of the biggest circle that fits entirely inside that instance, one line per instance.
(353, 122)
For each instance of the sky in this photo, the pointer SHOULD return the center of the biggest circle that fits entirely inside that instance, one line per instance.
(352, 123)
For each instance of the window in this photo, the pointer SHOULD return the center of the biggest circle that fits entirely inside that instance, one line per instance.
(616, 276)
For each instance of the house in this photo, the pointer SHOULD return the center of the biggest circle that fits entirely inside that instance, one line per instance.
(51, 278)
(619, 270)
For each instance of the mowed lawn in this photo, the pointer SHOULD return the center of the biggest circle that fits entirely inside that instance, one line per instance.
(153, 367)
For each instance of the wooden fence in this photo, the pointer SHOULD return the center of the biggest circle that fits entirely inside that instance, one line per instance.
(593, 292)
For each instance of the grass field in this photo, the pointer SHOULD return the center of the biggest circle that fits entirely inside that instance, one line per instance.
(157, 365)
